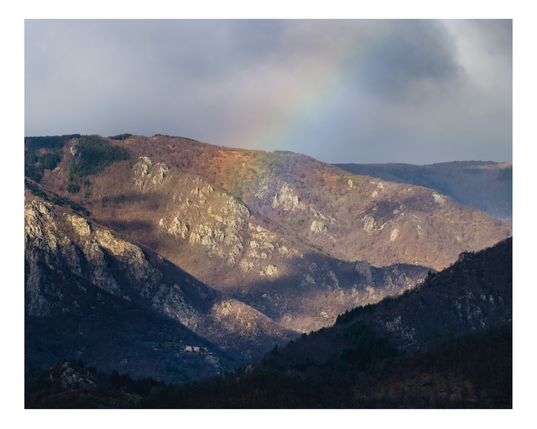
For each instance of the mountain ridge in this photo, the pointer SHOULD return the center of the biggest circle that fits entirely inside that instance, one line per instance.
(365, 360)
(251, 230)
(272, 185)
(66, 255)
(449, 346)
(484, 185)
(281, 244)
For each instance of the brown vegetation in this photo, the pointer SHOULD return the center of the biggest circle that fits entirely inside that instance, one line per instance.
(486, 186)
(284, 242)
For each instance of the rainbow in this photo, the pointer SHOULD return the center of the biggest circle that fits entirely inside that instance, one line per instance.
(319, 97)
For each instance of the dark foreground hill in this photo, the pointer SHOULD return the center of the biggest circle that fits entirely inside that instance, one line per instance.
(444, 344)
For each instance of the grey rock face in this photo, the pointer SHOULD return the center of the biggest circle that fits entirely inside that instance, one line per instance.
(147, 176)
(62, 249)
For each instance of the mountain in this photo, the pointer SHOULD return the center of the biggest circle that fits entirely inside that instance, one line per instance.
(473, 294)
(447, 343)
(244, 249)
(350, 217)
(92, 295)
(486, 186)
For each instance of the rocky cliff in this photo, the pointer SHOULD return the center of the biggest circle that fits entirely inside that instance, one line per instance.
(76, 269)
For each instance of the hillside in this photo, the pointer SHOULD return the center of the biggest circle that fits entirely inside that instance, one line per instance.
(91, 295)
(75, 267)
(243, 248)
(449, 346)
(350, 217)
(444, 344)
(486, 186)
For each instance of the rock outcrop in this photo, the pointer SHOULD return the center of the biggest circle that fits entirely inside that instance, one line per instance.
(64, 253)
(147, 176)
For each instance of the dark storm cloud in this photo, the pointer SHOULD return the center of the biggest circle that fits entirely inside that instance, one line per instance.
(414, 51)
(345, 90)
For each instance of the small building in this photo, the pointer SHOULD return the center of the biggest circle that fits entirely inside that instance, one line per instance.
(192, 349)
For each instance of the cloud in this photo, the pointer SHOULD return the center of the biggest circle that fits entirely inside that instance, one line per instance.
(412, 54)
(338, 90)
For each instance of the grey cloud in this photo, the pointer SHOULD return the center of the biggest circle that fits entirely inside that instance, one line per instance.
(414, 90)
(413, 52)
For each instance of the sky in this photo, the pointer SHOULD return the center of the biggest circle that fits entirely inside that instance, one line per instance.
(417, 92)
(362, 91)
